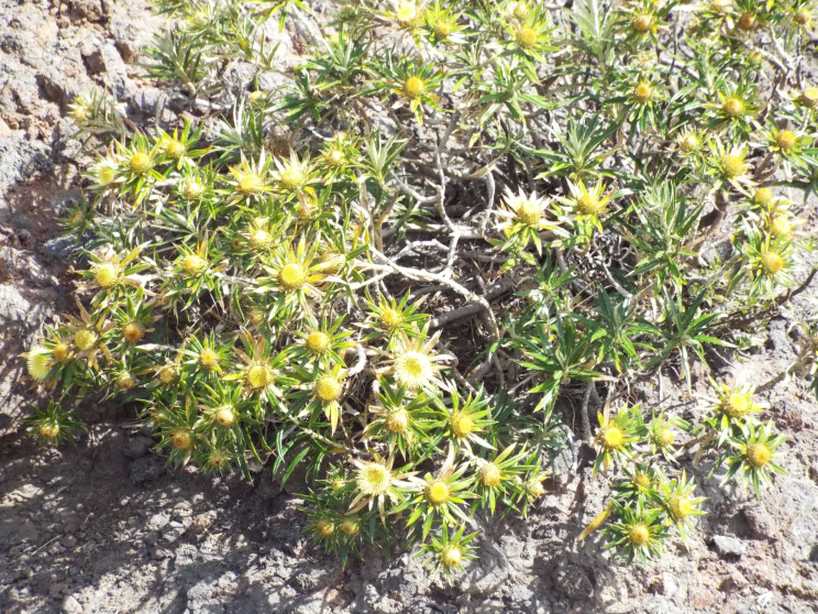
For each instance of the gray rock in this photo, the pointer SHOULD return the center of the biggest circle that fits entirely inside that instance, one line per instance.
(137, 446)
(70, 605)
(145, 469)
(728, 546)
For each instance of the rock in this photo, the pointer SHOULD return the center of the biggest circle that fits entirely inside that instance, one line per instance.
(70, 605)
(728, 546)
(145, 469)
(92, 10)
(778, 336)
(572, 581)
(94, 62)
(137, 446)
(157, 522)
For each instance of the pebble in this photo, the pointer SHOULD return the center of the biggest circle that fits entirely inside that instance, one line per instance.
(729, 546)
(70, 605)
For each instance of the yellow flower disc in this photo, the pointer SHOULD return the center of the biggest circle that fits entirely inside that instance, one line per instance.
(193, 264)
(490, 475)
(758, 454)
(181, 440)
(49, 430)
(588, 204)
(167, 374)
(133, 332)
(613, 438)
(292, 276)
(781, 226)
(642, 480)
(175, 148)
(786, 139)
(225, 416)
(732, 106)
(414, 87)
(642, 23)
(208, 358)
(397, 421)
(414, 369)
(643, 92)
(733, 166)
(350, 527)
(328, 388)
(681, 507)
(318, 341)
(451, 556)
(38, 363)
(772, 261)
(140, 162)
(85, 339)
(374, 479)
(689, 142)
(665, 437)
(529, 212)
(125, 381)
(325, 528)
(639, 534)
(61, 351)
(259, 376)
(391, 318)
(438, 492)
(526, 37)
(106, 274)
(249, 182)
(462, 424)
(764, 197)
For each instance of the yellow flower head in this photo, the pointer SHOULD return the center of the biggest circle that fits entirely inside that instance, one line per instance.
(181, 439)
(643, 92)
(758, 454)
(133, 332)
(733, 106)
(438, 492)
(38, 363)
(292, 275)
(318, 341)
(85, 339)
(451, 556)
(140, 162)
(639, 534)
(642, 23)
(106, 274)
(414, 368)
(225, 416)
(193, 264)
(772, 261)
(490, 475)
(397, 421)
(328, 388)
(373, 479)
(259, 375)
(414, 87)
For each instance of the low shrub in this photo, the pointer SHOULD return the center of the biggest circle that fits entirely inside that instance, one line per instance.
(411, 262)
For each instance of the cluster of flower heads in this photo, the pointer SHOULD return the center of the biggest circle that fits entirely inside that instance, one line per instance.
(257, 301)
(647, 505)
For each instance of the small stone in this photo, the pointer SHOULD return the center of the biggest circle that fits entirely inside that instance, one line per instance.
(145, 469)
(729, 546)
(137, 446)
(70, 605)
(93, 60)
(157, 522)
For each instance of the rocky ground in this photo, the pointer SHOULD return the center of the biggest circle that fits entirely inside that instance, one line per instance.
(106, 527)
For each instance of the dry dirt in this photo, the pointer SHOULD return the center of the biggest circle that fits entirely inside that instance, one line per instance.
(106, 527)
